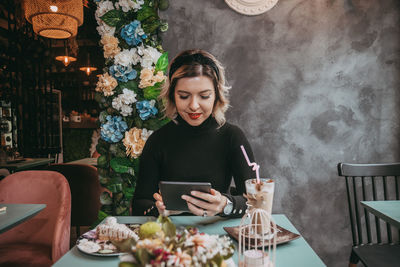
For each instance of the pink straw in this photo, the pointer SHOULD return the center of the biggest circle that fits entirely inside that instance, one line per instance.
(255, 166)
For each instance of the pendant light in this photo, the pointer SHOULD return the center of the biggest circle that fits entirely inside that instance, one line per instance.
(66, 59)
(88, 68)
(57, 19)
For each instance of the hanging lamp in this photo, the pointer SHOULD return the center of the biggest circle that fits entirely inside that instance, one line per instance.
(57, 19)
(66, 59)
(88, 68)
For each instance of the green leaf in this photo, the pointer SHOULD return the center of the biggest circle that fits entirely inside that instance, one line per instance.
(112, 17)
(105, 198)
(102, 161)
(151, 26)
(131, 85)
(151, 92)
(104, 180)
(146, 12)
(162, 62)
(102, 171)
(120, 210)
(129, 122)
(128, 192)
(163, 5)
(127, 264)
(143, 256)
(138, 122)
(217, 260)
(154, 124)
(230, 254)
(102, 147)
(124, 245)
(136, 165)
(167, 226)
(120, 165)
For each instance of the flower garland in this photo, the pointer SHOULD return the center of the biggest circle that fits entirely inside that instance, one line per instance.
(127, 93)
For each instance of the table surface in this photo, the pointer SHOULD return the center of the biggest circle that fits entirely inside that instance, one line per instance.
(388, 210)
(26, 164)
(17, 213)
(87, 161)
(294, 253)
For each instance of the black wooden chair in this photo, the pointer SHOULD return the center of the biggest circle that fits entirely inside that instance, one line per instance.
(372, 243)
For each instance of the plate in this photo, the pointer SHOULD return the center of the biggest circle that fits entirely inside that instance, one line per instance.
(89, 244)
(283, 236)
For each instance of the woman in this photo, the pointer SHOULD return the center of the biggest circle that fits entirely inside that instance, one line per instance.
(197, 145)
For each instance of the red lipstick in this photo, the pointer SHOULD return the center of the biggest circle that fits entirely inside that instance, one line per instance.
(194, 116)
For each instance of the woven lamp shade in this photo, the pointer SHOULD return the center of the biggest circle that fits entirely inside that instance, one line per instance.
(57, 19)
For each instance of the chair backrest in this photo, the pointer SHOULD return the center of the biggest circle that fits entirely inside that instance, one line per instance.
(49, 227)
(365, 182)
(85, 191)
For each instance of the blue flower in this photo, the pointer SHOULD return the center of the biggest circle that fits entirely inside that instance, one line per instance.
(146, 109)
(113, 130)
(122, 73)
(133, 33)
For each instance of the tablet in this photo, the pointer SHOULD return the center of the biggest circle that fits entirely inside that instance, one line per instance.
(172, 191)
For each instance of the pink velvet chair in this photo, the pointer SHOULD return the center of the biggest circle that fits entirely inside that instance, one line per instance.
(43, 239)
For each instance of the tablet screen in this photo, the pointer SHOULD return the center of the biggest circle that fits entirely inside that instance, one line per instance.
(171, 193)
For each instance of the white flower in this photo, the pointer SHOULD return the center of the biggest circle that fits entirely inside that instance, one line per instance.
(146, 134)
(150, 56)
(104, 29)
(126, 110)
(179, 258)
(127, 57)
(128, 96)
(124, 101)
(102, 8)
(127, 5)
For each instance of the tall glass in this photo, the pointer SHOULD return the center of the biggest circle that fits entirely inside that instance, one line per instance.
(260, 196)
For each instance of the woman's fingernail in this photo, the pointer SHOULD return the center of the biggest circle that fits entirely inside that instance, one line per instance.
(193, 193)
(184, 197)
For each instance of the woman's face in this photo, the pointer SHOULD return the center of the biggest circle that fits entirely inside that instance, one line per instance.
(194, 99)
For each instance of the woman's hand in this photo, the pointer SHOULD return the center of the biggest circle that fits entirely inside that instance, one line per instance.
(161, 207)
(213, 203)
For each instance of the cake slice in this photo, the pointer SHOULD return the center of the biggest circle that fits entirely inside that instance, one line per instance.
(113, 231)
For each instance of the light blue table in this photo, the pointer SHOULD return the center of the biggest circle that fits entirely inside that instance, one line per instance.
(388, 210)
(294, 253)
(17, 213)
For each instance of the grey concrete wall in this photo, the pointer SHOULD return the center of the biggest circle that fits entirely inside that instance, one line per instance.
(314, 83)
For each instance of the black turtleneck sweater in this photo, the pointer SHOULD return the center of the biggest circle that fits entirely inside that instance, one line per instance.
(204, 153)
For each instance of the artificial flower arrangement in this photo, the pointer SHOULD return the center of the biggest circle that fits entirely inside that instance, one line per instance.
(127, 93)
(161, 244)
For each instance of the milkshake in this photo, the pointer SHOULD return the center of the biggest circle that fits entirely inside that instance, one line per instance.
(260, 196)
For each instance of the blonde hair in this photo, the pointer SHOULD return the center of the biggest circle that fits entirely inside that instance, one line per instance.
(194, 63)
